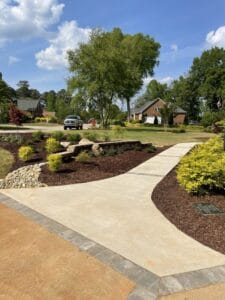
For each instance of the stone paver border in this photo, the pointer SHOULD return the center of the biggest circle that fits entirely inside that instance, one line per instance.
(148, 285)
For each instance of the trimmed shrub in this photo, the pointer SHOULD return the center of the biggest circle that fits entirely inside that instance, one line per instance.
(203, 170)
(83, 157)
(54, 162)
(37, 136)
(73, 137)
(58, 135)
(52, 145)
(92, 136)
(25, 153)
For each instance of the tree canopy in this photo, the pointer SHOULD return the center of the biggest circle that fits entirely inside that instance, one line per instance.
(111, 66)
(208, 73)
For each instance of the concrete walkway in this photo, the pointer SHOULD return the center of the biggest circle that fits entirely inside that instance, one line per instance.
(118, 213)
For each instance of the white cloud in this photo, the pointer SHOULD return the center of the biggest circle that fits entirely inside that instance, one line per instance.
(174, 47)
(217, 37)
(168, 80)
(13, 60)
(21, 19)
(69, 36)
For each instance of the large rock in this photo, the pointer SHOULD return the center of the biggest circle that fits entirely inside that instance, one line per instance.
(65, 144)
(96, 149)
(85, 142)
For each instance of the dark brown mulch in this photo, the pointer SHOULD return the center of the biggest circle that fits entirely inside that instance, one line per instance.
(177, 205)
(97, 168)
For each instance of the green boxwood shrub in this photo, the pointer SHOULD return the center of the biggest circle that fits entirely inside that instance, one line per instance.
(37, 136)
(52, 145)
(203, 170)
(54, 162)
(25, 153)
(83, 157)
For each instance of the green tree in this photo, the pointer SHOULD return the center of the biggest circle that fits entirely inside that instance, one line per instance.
(111, 66)
(62, 104)
(139, 57)
(154, 90)
(208, 72)
(50, 98)
(95, 66)
(34, 94)
(23, 89)
(184, 93)
(166, 113)
(6, 92)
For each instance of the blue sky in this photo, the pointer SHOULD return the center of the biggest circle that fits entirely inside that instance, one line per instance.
(35, 34)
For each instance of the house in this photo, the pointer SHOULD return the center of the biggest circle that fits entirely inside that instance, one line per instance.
(151, 110)
(30, 107)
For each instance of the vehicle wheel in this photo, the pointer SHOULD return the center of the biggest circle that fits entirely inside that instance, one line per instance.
(65, 127)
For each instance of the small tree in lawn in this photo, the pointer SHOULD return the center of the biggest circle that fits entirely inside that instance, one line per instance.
(15, 115)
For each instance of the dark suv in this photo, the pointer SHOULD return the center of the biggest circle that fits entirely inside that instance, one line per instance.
(72, 121)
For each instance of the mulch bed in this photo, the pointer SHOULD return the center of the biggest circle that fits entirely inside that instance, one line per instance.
(76, 172)
(39, 155)
(177, 206)
(97, 168)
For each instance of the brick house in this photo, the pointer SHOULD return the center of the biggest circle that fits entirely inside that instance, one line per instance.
(151, 110)
(30, 107)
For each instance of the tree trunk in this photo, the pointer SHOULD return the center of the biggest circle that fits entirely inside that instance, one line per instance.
(128, 109)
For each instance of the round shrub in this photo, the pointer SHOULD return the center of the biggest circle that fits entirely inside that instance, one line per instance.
(54, 162)
(37, 136)
(25, 153)
(83, 157)
(203, 170)
(52, 145)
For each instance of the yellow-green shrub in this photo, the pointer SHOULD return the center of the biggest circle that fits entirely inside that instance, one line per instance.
(83, 157)
(203, 170)
(52, 145)
(54, 162)
(25, 153)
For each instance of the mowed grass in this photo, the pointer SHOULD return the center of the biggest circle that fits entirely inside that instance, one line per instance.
(6, 159)
(156, 137)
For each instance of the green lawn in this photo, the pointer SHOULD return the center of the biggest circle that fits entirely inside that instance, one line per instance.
(6, 162)
(158, 137)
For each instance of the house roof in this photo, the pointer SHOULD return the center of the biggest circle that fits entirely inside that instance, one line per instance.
(145, 106)
(142, 108)
(27, 104)
(179, 110)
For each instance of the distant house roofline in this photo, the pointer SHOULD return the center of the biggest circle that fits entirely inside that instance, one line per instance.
(148, 104)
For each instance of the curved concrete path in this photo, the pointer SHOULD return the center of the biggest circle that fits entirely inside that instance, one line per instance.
(118, 213)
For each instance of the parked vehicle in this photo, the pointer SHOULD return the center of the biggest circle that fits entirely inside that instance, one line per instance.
(73, 122)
